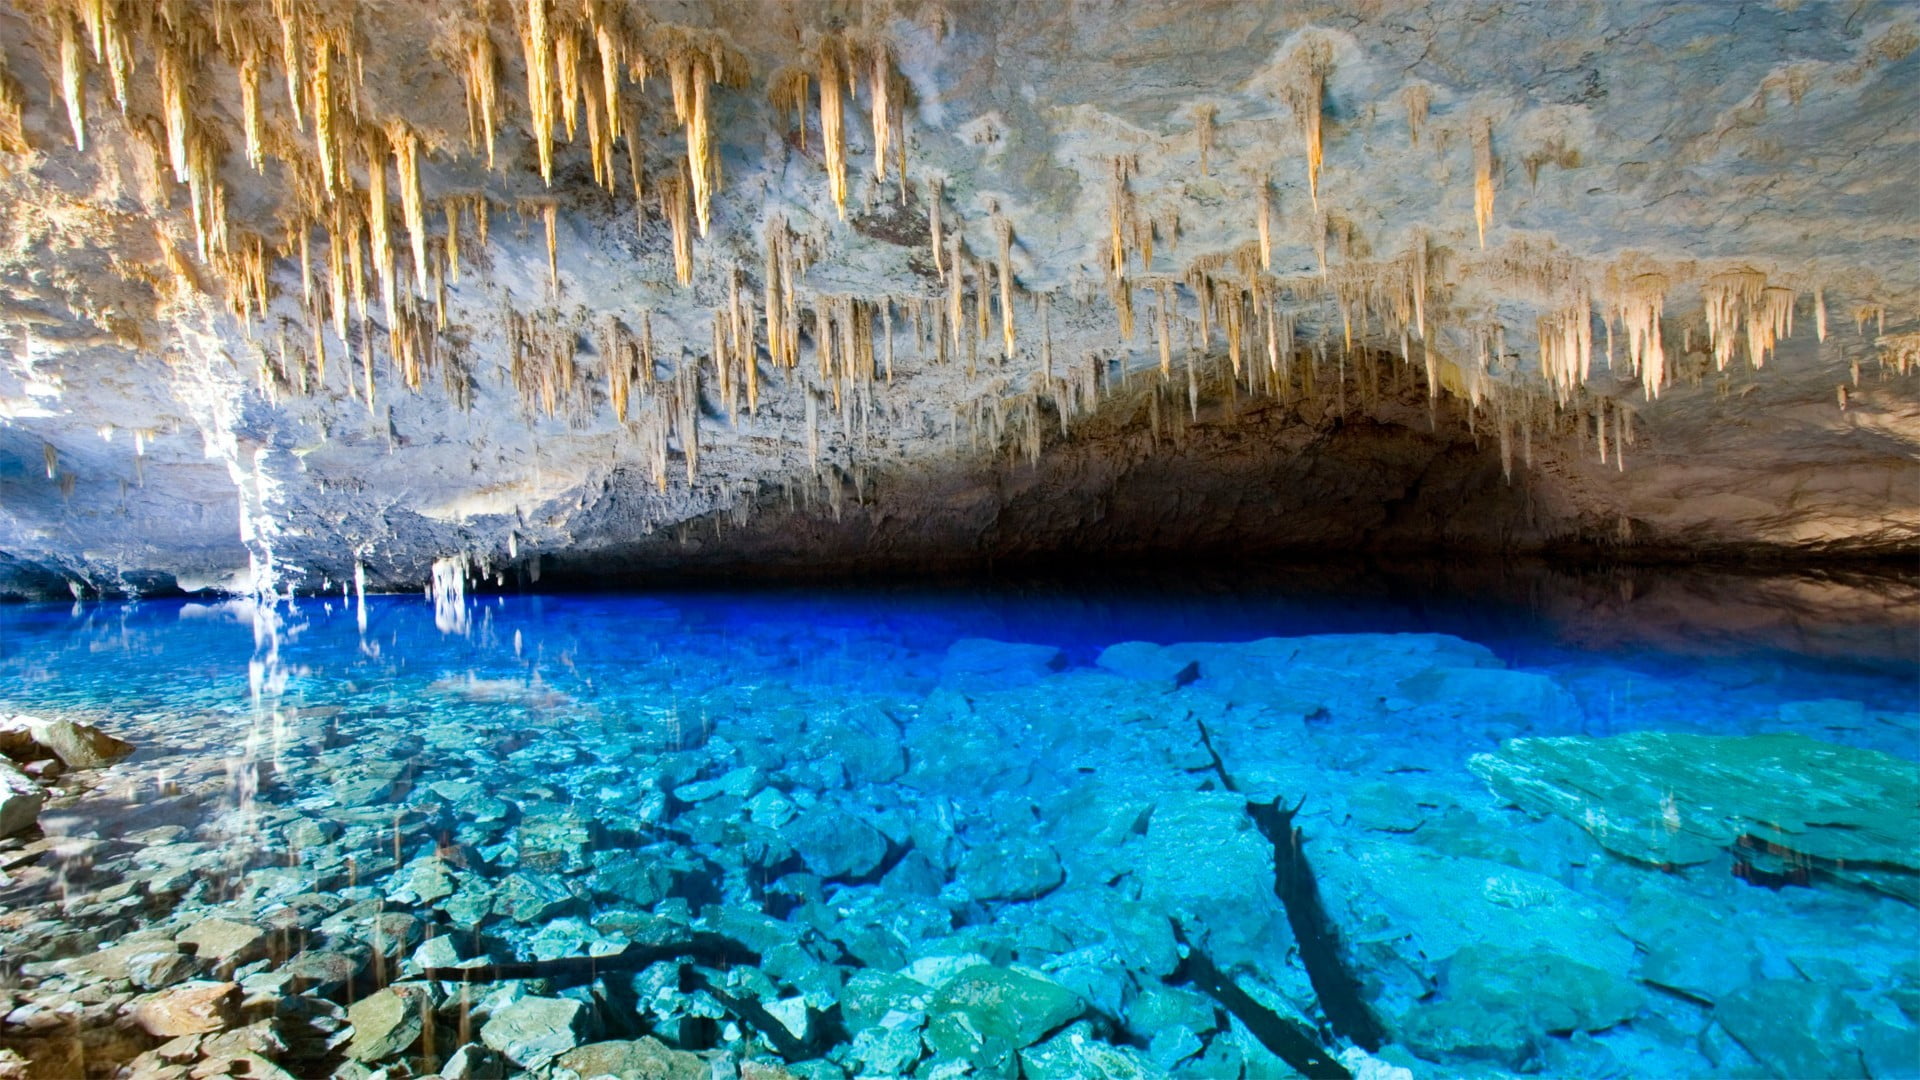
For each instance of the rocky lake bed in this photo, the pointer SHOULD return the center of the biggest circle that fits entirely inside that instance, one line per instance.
(690, 848)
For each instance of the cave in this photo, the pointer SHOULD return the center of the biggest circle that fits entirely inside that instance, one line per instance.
(903, 538)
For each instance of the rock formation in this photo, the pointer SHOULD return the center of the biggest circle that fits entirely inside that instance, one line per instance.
(304, 294)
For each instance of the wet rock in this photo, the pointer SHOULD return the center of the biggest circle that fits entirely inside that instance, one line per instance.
(638, 878)
(1501, 1004)
(532, 1031)
(530, 898)
(740, 783)
(1149, 663)
(151, 970)
(871, 995)
(310, 832)
(20, 800)
(834, 844)
(981, 663)
(188, 1009)
(1674, 799)
(551, 842)
(647, 1058)
(1482, 694)
(984, 1005)
(1011, 870)
(386, 1022)
(323, 972)
(473, 1062)
(1074, 1054)
(223, 944)
(78, 746)
(1797, 1028)
(891, 1046)
(425, 881)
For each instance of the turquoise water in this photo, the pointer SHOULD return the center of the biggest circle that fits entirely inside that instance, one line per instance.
(1580, 830)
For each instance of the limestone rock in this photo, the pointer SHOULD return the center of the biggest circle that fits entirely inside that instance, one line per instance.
(1011, 870)
(533, 1031)
(224, 944)
(20, 800)
(77, 745)
(997, 665)
(1672, 799)
(191, 1008)
(386, 1022)
(835, 844)
(990, 1003)
(646, 1058)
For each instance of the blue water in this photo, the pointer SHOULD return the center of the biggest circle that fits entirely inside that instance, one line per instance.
(854, 785)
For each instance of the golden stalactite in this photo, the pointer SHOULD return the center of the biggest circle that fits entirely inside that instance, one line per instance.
(832, 135)
(881, 90)
(673, 206)
(480, 74)
(406, 166)
(1483, 177)
(1304, 91)
(73, 76)
(536, 47)
(13, 136)
(1003, 232)
(378, 231)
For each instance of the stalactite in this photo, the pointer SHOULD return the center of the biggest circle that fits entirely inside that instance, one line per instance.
(1418, 97)
(413, 207)
(832, 116)
(376, 158)
(673, 204)
(292, 39)
(1263, 223)
(482, 80)
(1730, 298)
(1820, 312)
(692, 73)
(450, 211)
(549, 216)
(1203, 118)
(1483, 177)
(1637, 304)
(882, 91)
(536, 44)
(933, 223)
(13, 136)
(1305, 93)
(73, 78)
(1003, 230)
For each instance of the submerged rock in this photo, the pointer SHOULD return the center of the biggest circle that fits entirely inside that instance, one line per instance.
(995, 665)
(532, 1031)
(20, 800)
(1500, 1004)
(77, 745)
(984, 1005)
(1673, 799)
(835, 844)
(647, 1058)
(386, 1022)
(188, 1009)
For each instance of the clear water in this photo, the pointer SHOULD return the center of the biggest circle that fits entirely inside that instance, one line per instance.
(851, 786)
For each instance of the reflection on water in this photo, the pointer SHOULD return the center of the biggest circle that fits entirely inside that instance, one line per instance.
(1627, 824)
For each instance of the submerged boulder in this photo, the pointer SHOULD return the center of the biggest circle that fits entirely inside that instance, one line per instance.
(20, 800)
(1672, 799)
(77, 745)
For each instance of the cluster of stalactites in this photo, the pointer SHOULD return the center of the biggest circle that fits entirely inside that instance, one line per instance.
(838, 64)
(1636, 305)
(1742, 300)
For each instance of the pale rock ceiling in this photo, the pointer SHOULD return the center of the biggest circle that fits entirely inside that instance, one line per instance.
(1653, 193)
